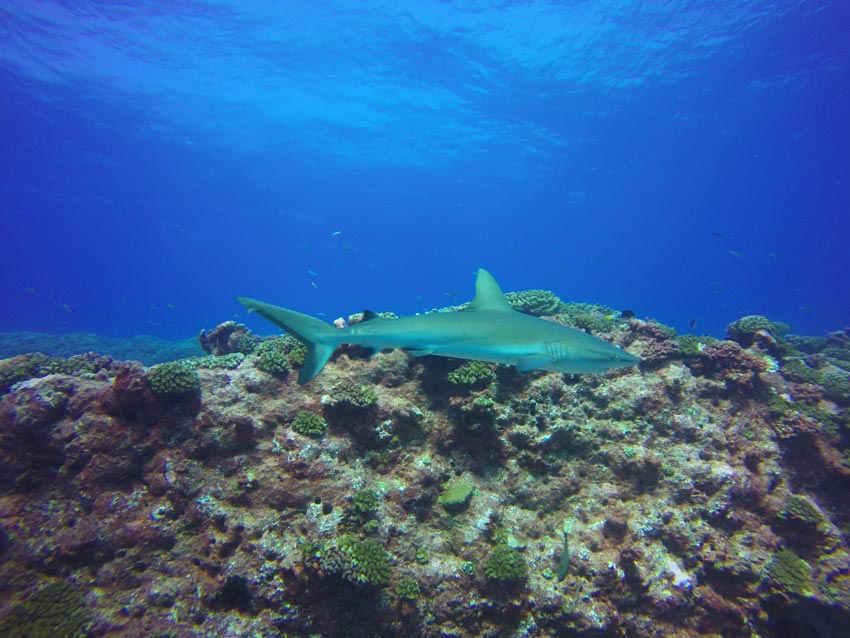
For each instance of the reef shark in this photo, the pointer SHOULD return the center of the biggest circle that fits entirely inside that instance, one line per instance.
(489, 329)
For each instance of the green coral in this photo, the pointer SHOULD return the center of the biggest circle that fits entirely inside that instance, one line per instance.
(348, 394)
(296, 351)
(797, 370)
(691, 345)
(13, 371)
(472, 373)
(244, 341)
(469, 569)
(56, 611)
(407, 588)
(359, 562)
(836, 386)
(790, 572)
(309, 424)
(371, 563)
(422, 556)
(744, 329)
(800, 509)
(215, 362)
(173, 377)
(275, 350)
(456, 494)
(505, 564)
(536, 302)
(36, 364)
(366, 501)
(591, 317)
(272, 360)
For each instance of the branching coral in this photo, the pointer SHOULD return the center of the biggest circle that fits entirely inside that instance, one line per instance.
(348, 394)
(536, 302)
(505, 564)
(173, 378)
(472, 373)
(309, 424)
(360, 562)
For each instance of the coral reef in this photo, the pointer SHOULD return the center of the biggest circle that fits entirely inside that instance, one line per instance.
(456, 494)
(539, 303)
(173, 378)
(57, 609)
(705, 494)
(227, 338)
(505, 564)
(145, 349)
(309, 424)
(472, 373)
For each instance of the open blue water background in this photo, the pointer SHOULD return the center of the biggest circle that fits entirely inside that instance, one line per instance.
(687, 159)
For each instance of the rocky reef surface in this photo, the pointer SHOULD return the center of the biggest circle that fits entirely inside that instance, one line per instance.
(705, 493)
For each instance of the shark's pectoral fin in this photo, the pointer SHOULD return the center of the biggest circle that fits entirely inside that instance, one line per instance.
(317, 356)
(526, 364)
(419, 352)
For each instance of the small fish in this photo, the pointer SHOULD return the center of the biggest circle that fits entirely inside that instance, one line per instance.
(693, 323)
(171, 307)
(627, 314)
(314, 284)
(718, 235)
(734, 253)
(32, 291)
(336, 233)
(564, 563)
(68, 309)
(450, 294)
(774, 255)
(347, 249)
(312, 272)
(153, 306)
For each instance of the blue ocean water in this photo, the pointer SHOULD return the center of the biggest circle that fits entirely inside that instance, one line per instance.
(685, 159)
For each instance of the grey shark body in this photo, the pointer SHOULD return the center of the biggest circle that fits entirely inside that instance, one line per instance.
(489, 329)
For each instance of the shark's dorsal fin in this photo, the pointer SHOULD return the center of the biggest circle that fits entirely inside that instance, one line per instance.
(488, 294)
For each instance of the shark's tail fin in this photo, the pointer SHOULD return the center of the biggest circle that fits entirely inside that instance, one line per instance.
(321, 339)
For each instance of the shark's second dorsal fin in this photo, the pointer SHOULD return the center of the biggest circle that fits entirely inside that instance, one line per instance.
(488, 294)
